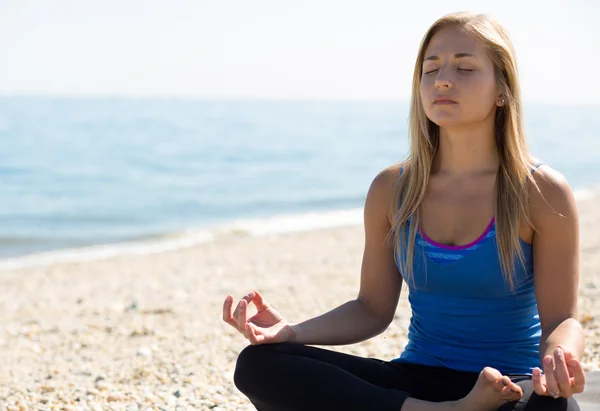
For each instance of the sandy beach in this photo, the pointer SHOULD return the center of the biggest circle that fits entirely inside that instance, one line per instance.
(145, 332)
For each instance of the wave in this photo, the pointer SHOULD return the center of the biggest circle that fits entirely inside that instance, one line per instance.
(104, 251)
(188, 238)
(275, 225)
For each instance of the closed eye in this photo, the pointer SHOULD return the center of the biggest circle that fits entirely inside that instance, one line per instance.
(460, 69)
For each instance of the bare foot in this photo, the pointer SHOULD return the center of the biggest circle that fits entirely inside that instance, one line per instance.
(490, 391)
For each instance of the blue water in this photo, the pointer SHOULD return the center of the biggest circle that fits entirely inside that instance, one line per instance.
(76, 172)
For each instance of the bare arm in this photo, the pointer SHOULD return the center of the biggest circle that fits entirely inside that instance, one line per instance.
(556, 256)
(373, 310)
(556, 276)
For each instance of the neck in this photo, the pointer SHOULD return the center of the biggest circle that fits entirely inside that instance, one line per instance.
(466, 150)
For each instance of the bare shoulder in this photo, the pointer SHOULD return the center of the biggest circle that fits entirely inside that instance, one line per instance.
(382, 191)
(388, 177)
(555, 197)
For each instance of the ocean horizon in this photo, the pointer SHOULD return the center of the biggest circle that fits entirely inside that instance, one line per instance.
(89, 177)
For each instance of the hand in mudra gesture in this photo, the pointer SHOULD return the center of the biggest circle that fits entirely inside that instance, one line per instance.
(563, 375)
(266, 326)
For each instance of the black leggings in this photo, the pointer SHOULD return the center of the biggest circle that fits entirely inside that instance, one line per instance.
(287, 376)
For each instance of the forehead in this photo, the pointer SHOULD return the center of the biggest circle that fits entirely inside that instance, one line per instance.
(450, 41)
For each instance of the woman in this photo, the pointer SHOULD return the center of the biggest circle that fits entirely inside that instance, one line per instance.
(489, 329)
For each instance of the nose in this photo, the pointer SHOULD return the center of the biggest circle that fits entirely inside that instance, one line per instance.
(443, 79)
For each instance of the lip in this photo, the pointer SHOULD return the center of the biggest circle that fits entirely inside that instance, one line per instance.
(444, 100)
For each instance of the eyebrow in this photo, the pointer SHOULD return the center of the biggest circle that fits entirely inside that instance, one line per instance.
(456, 56)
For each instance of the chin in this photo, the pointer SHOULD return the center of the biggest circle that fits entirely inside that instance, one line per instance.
(445, 116)
(445, 121)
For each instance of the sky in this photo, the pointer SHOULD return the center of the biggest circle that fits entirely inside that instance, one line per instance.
(277, 49)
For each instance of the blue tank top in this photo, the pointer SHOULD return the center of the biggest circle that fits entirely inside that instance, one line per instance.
(464, 315)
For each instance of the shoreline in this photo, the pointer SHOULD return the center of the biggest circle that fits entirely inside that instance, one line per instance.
(171, 241)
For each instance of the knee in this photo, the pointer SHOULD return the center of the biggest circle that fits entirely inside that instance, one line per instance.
(250, 361)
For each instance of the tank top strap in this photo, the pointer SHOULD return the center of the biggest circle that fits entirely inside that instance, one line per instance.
(536, 166)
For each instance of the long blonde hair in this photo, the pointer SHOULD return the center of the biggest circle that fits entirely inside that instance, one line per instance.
(512, 200)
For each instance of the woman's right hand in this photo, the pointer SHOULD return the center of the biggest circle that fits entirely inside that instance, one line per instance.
(266, 326)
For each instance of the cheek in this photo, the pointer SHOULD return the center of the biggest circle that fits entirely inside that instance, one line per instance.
(425, 93)
(422, 90)
(482, 89)
(479, 97)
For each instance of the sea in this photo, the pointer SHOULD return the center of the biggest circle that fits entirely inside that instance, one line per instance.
(87, 178)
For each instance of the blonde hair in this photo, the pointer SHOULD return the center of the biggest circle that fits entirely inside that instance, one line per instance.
(512, 200)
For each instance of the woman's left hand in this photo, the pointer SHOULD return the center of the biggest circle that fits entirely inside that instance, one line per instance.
(563, 375)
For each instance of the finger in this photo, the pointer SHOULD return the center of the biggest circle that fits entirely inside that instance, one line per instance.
(578, 376)
(539, 381)
(561, 373)
(241, 318)
(248, 297)
(569, 356)
(259, 301)
(227, 308)
(227, 317)
(251, 334)
(576, 373)
(551, 383)
(236, 314)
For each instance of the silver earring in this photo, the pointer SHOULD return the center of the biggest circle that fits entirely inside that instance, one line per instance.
(501, 101)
